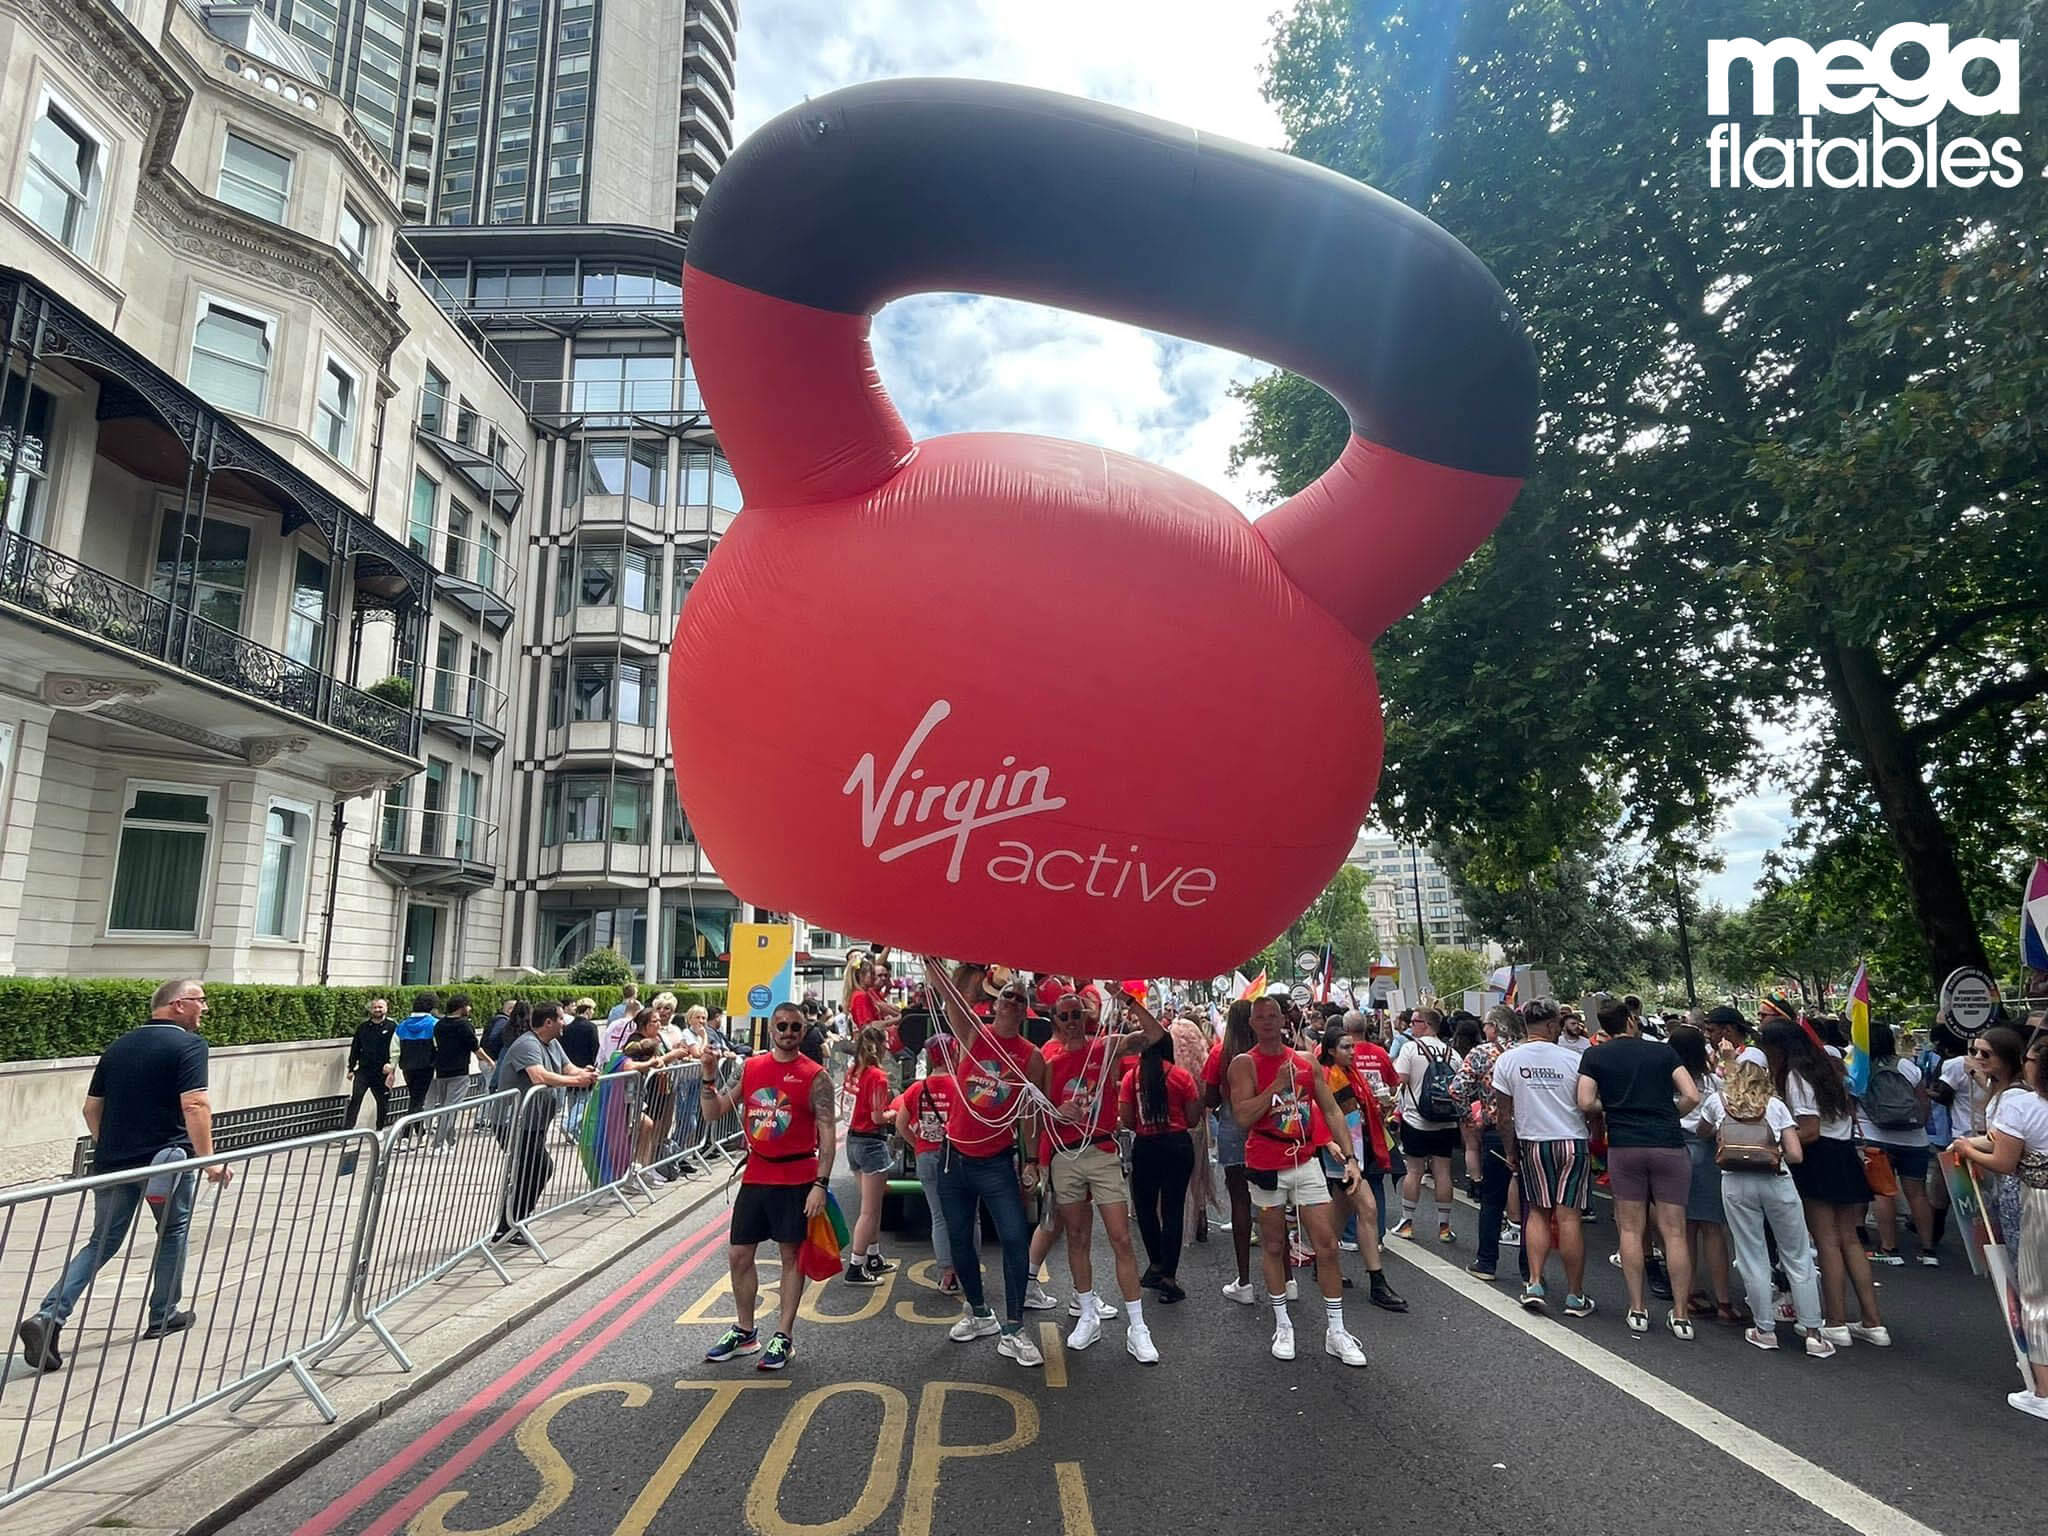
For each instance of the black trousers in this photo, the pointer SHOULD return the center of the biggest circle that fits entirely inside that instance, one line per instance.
(1160, 1169)
(373, 1084)
(533, 1166)
(417, 1082)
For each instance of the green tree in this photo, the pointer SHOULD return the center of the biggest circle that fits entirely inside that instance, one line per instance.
(1453, 971)
(1339, 917)
(1791, 449)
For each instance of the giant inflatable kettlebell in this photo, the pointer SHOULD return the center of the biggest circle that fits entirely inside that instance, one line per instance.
(1003, 696)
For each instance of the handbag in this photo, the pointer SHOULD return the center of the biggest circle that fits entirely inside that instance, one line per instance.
(1746, 1146)
(1877, 1168)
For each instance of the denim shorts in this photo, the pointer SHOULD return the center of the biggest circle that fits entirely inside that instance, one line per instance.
(1229, 1141)
(868, 1154)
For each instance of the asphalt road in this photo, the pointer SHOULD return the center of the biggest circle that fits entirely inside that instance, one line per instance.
(1472, 1416)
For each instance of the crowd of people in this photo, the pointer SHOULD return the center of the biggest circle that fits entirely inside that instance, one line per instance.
(1752, 1185)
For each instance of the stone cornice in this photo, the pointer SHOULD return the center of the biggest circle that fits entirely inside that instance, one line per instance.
(197, 226)
(100, 44)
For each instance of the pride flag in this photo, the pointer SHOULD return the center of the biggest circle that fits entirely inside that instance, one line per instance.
(1328, 975)
(1255, 988)
(1859, 1032)
(824, 1242)
(605, 1134)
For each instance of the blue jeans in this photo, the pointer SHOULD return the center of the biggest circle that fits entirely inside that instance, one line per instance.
(113, 1213)
(689, 1120)
(965, 1184)
(1494, 1178)
(928, 1175)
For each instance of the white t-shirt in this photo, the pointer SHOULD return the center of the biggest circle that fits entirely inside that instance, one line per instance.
(1411, 1066)
(1968, 1110)
(1542, 1077)
(1754, 1056)
(1893, 1136)
(2020, 1112)
(1777, 1116)
(1800, 1100)
(1578, 1045)
(1691, 1124)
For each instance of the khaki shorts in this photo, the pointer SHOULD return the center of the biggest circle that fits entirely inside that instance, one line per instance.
(1301, 1185)
(1090, 1173)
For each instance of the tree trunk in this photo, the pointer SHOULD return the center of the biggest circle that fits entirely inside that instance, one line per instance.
(1869, 712)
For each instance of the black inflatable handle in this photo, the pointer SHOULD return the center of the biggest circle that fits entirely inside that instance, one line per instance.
(912, 186)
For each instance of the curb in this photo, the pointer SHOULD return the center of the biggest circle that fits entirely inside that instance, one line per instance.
(421, 1379)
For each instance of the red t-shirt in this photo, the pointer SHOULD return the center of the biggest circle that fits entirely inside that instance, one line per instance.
(775, 1109)
(864, 1009)
(1285, 1136)
(1183, 1102)
(870, 1097)
(1212, 1069)
(921, 1111)
(1372, 1070)
(1077, 1073)
(992, 1071)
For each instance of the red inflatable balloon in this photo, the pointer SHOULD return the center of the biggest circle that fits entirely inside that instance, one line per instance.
(994, 695)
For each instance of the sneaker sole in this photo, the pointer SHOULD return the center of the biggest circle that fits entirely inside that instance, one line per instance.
(773, 1365)
(747, 1349)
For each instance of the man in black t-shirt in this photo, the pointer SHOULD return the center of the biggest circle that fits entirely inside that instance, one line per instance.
(146, 1103)
(455, 1046)
(1640, 1088)
(370, 1067)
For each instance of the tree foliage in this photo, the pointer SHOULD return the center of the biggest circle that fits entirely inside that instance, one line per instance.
(1790, 453)
(1339, 917)
(1454, 971)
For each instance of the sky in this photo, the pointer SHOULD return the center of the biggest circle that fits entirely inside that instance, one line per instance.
(954, 362)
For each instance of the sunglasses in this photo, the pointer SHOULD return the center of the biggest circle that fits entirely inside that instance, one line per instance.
(789, 1026)
(1070, 1013)
(1011, 997)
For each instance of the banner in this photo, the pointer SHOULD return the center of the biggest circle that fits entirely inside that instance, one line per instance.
(763, 971)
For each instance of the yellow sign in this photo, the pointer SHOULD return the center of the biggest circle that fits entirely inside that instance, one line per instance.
(763, 969)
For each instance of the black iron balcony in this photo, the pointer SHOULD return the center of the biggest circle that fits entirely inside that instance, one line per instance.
(109, 612)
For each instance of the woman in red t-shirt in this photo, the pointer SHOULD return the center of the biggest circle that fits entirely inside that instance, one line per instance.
(867, 1153)
(1159, 1101)
(919, 1115)
(866, 1004)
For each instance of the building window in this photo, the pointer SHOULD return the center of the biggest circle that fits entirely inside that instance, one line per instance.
(305, 630)
(675, 826)
(608, 576)
(391, 835)
(281, 878)
(617, 469)
(595, 810)
(26, 513)
(569, 934)
(469, 795)
(160, 865)
(216, 588)
(60, 189)
(447, 665)
(489, 552)
(230, 357)
(601, 690)
(355, 238)
(434, 401)
(624, 376)
(334, 414)
(420, 532)
(433, 809)
(254, 179)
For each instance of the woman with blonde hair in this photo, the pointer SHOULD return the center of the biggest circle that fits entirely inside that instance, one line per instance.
(867, 1152)
(1756, 1144)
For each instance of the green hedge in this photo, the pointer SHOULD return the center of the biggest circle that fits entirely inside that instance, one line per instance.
(42, 1018)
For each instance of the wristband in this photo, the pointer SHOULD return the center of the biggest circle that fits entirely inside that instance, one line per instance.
(822, 1183)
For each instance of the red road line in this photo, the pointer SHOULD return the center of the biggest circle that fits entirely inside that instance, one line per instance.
(329, 1519)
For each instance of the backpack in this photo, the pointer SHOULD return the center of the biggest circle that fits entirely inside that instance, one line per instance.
(1890, 1102)
(1746, 1146)
(1437, 1098)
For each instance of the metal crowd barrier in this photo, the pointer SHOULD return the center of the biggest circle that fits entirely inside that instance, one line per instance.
(544, 1161)
(256, 1279)
(676, 1092)
(723, 1136)
(439, 1201)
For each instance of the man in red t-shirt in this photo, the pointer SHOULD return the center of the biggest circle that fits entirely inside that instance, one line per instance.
(1084, 1071)
(1286, 1109)
(786, 1105)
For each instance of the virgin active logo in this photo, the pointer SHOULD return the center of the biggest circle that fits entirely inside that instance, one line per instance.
(1845, 77)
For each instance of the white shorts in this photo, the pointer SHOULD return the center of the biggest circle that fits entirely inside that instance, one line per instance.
(1302, 1184)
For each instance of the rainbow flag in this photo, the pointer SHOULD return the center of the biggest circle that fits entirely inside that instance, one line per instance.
(604, 1139)
(1255, 988)
(824, 1242)
(1859, 1032)
(1328, 974)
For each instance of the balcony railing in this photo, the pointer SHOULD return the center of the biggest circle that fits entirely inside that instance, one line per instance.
(477, 564)
(438, 846)
(454, 695)
(109, 610)
(612, 400)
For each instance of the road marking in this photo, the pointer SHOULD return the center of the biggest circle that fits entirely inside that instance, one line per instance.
(697, 1245)
(1075, 1514)
(395, 1518)
(928, 1451)
(1833, 1497)
(556, 1480)
(686, 1450)
(1055, 1353)
(764, 1496)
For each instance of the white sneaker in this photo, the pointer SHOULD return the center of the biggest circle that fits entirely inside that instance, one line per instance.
(1139, 1342)
(2029, 1402)
(1086, 1331)
(1103, 1305)
(1283, 1342)
(1018, 1347)
(975, 1325)
(1511, 1234)
(1841, 1338)
(1241, 1292)
(1339, 1343)
(1038, 1299)
(1879, 1337)
(1293, 1291)
(1930, 1260)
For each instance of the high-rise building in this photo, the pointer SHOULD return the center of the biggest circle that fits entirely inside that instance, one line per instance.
(1406, 879)
(533, 111)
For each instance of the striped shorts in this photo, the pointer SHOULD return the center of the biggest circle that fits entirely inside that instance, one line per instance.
(1554, 1173)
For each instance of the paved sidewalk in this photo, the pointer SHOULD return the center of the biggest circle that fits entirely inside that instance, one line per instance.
(263, 1278)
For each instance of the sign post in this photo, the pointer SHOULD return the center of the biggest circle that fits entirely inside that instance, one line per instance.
(1968, 1000)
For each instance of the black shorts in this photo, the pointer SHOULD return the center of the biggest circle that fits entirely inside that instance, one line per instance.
(1418, 1142)
(765, 1213)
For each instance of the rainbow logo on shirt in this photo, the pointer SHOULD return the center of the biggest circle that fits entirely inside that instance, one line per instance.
(1290, 1117)
(987, 1089)
(768, 1114)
